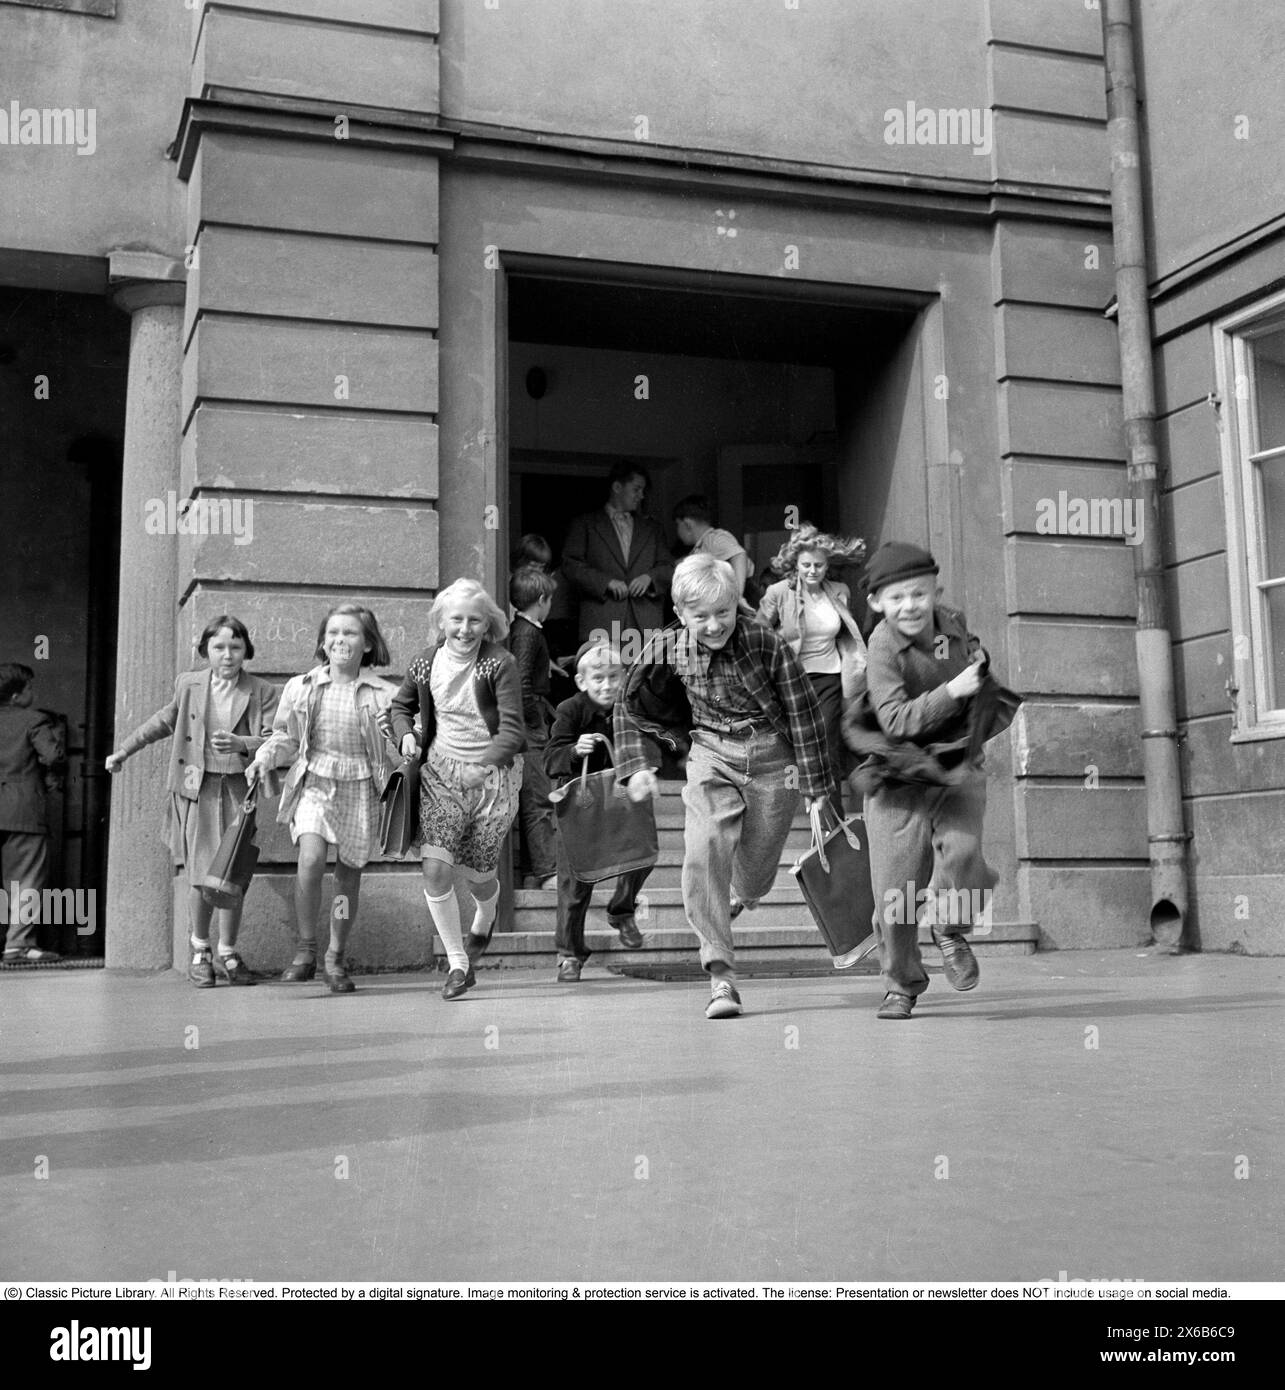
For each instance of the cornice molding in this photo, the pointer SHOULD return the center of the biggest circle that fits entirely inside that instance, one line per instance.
(529, 153)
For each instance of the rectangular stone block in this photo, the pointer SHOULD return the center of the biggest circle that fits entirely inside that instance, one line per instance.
(1199, 598)
(283, 623)
(1031, 486)
(1088, 909)
(1072, 658)
(412, 16)
(1194, 519)
(1056, 83)
(1055, 345)
(1184, 368)
(1059, 420)
(1070, 28)
(350, 66)
(1231, 833)
(1086, 579)
(1189, 444)
(275, 450)
(1240, 913)
(298, 186)
(1077, 740)
(312, 364)
(1053, 265)
(328, 543)
(1201, 668)
(1051, 150)
(306, 276)
(1212, 765)
(1065, 822)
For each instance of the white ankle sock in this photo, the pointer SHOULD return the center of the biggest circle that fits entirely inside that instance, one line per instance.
(484, 910)
(226, 951)
(198, 945)
(445, 912)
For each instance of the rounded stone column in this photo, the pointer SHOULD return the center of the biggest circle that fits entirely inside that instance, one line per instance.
(139, 918)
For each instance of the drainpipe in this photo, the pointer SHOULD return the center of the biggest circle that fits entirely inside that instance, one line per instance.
(1167, 836)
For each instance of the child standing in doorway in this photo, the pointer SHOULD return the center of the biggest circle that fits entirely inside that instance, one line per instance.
(328, 730)
(466, 690)
(219, 718)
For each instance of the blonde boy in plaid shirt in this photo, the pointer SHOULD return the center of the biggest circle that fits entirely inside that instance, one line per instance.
(757, 741)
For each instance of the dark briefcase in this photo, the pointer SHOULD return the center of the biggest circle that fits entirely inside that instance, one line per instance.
(604, 834)
(834, 878)
(399, 807)
(234, 861)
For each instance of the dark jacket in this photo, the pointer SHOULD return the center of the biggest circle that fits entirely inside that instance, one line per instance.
(497, 689)
(530, 650)
(591, 559)
(576, 716)
(29, 741)
(906, 725)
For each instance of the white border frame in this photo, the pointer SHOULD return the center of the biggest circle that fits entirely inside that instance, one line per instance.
(1235, 447)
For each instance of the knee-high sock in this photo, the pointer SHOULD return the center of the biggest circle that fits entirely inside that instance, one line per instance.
(484, 911)
(445, 912)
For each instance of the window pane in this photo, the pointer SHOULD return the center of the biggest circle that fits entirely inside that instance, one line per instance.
(1274, 656)
(1271, 522)
(1269, 382)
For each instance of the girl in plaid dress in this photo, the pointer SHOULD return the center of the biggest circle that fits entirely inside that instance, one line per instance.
(329, 729)
(467, 691)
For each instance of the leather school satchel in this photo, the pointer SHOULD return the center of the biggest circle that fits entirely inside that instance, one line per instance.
(235, 860)
(399, 806)
(834, 878)
(604, 833)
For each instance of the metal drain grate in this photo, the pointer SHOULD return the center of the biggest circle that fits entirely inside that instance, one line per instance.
(67, 963)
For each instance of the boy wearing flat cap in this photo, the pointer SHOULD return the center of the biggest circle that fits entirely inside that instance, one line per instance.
(929, 707)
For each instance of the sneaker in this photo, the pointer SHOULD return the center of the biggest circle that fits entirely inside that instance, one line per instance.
(896, 1006)
(35, 955)
(237, 971)
(630, 936)
(569, 970)
(201, 971)
(957, 960)
(724, 1002)
(456, 984)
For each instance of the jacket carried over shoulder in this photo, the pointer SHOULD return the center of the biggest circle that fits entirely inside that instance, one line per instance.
(906, 724)
(254, 704)
(31, 745)
(291, 730)
(497, 689)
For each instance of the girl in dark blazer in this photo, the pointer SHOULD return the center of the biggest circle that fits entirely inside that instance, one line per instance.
(466, 689)
(218, 718)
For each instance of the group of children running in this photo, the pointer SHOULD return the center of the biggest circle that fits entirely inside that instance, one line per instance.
(473, 714)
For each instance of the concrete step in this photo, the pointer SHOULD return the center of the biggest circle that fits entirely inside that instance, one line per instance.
(660, 907)
(794, 940)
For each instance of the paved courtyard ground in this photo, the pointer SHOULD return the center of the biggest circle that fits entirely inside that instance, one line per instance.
(1111, 1115)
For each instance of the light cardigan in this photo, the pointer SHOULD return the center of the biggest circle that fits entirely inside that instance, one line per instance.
(497, 688)
(782, 607)
(254, 703)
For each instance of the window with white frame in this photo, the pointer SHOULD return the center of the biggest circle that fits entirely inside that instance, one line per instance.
(1252, 386)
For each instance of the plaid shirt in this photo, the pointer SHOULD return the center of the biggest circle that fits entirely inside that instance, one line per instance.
(768, 680)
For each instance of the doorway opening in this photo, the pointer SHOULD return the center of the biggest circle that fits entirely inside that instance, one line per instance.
(63, 370)
(780, 402)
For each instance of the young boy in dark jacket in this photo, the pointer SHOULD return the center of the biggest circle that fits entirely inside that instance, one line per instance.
(531, 594)
(582, 729)
(929, 709)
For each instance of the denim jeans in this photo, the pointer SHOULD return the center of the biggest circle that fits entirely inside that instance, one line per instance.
(741, 796)
(922, 838)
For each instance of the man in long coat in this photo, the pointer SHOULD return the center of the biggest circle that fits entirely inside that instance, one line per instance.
(618, 564)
